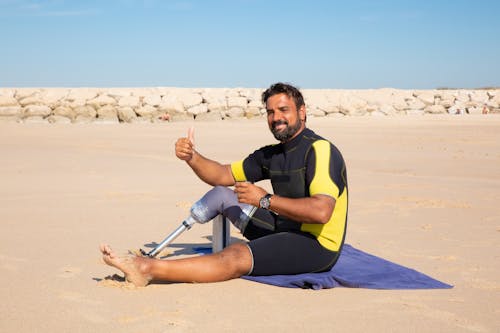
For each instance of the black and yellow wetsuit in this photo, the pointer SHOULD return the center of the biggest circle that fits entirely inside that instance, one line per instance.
(302, 167)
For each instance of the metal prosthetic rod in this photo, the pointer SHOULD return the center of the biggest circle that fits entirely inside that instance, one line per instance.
(185, 225)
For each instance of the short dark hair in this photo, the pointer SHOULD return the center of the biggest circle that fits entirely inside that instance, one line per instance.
(284, 88)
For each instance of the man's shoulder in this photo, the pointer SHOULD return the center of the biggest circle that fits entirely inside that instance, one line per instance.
(318, 141)
(265, 151)
(312, 137)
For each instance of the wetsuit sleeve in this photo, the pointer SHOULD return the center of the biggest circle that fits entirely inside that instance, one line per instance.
(325, 173)
(251, 169)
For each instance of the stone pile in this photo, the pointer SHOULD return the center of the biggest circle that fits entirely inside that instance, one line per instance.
(113, 105)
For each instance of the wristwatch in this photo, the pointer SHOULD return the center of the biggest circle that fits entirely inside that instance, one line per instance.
(265, 201)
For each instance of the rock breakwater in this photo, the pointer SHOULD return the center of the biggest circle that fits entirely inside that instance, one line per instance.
(127, 105)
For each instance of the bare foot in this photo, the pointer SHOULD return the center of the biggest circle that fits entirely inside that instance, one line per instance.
(130, 265)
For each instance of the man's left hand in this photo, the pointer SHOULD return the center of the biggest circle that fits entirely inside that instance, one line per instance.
(249, 193)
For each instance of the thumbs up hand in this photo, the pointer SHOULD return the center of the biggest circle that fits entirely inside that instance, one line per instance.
(191, 134)
(184, 147)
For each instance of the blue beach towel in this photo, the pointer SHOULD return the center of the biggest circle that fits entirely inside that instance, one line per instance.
(357, 269)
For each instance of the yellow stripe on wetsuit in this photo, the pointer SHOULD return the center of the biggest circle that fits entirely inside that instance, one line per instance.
(238, 171)
(330, 235)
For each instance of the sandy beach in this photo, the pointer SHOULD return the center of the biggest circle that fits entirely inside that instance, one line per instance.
(424, 191)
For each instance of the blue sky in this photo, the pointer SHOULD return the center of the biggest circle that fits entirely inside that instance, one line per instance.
(250, 43)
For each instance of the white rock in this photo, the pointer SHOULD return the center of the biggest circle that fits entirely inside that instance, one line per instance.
(81, 96)
(377, 114)
(142, 92)
(190, 99)
(7, 92)
(232, 93)
(496, 100)
(107, 112)
(415, 104)
(257, 103)
(36, 111)
(11, 111)
(131, 101)
(209, 116)
(235, 112)
(26, 92)
(413, 112)
(252, 112)
(101, 100)
(106, 120)
(315, 112)
(371, 108)
(427, 97)
(126, 114)
(64, 111)
(352, 105)
(85, 111)
(335, 115)
(58, 119)
(180, 116)
(254, 95)
(83, 119)
(479, 96)
(198, 109)
(170, 104)
(35, 120)
(34, 99)
(435, 109)
(52, 97)
(237, 102)
(8, 101)
(153, 100)
(146, 111)
(475, 110)
(387, 110)
(447, 102)
(10, 119)
(118, 93)
(491, 104)
(210, 94)
(462, 96)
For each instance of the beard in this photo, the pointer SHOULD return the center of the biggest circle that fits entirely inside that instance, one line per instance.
(288, 132)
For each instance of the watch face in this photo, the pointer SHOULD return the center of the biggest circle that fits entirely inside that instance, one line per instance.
(264, 202)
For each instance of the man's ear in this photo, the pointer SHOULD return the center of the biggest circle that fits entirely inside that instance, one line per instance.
(302, 113)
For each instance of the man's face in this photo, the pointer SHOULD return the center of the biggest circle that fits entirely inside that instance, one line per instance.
(284, 121)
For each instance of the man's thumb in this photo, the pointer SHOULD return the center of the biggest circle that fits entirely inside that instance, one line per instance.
(191, 134)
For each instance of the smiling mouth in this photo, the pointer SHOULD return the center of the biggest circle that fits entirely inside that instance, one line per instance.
(279, 125)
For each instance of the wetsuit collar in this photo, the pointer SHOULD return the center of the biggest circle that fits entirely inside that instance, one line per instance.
(295, 141)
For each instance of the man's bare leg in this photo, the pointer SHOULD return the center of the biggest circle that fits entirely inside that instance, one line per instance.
(232, 262)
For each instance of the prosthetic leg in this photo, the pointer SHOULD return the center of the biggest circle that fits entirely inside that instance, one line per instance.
(217, 204)
(185, 225)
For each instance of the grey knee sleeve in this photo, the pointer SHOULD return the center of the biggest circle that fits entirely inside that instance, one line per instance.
(222, 200)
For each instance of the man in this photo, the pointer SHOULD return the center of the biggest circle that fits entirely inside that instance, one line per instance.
(298, 229)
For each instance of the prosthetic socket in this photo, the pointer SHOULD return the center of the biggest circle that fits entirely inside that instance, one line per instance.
(222, 200)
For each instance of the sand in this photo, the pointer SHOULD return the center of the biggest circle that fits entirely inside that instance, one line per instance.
(425, 193)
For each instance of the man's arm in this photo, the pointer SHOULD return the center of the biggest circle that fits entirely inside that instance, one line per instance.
(315, 209)
(211, 172)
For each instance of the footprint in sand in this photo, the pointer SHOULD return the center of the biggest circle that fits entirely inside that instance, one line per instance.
(69, 272)
(117, 281)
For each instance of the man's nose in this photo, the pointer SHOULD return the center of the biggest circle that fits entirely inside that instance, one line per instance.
(277, 115)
